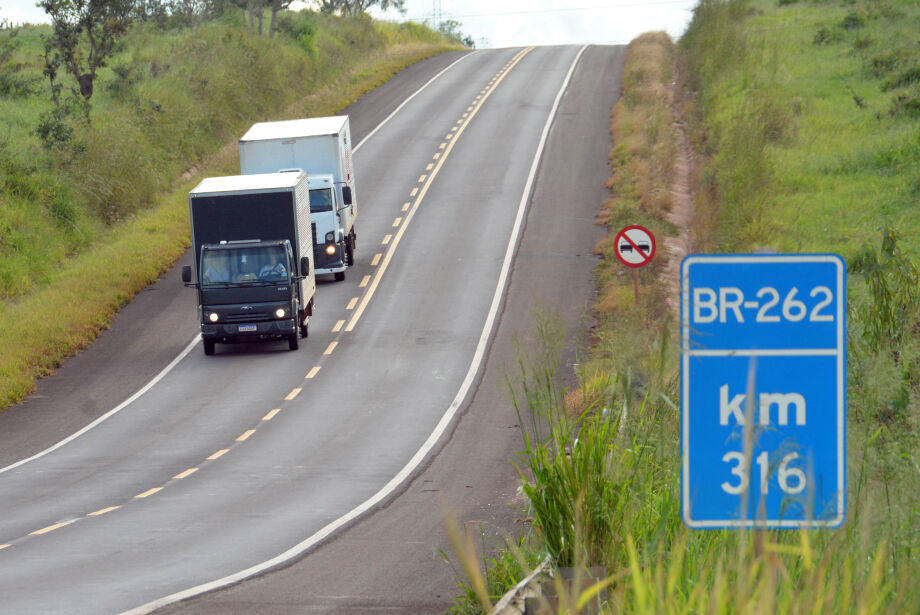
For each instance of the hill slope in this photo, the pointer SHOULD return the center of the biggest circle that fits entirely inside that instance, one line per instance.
(92, 213)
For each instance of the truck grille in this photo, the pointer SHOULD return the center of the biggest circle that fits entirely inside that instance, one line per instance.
(251, 317)
(313, 227)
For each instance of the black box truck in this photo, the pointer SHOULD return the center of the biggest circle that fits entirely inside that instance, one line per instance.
(252, 242)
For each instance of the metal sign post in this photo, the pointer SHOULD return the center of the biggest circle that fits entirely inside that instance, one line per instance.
(635, 247)
(763, 391)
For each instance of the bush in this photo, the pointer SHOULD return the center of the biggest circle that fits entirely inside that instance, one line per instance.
(853, 21)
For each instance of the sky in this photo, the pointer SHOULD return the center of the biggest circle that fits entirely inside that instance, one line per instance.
(513, 23)
(510, 23)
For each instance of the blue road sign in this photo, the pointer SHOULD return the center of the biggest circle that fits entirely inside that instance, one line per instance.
(763, 391)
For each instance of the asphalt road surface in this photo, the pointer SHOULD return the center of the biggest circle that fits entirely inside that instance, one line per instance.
(317, 480)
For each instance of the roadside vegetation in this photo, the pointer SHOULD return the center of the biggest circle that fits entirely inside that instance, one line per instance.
(804, 121)
(93, 192)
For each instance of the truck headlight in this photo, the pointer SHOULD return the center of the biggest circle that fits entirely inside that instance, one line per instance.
(280, 313)
(213, 316)
(330, 249)
(330, 237)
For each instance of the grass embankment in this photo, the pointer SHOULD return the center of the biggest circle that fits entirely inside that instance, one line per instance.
(805, 119)
(88, 221)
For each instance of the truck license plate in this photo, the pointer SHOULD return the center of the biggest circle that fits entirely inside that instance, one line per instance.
(248, 328)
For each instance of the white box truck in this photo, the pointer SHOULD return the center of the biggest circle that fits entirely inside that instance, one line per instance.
(321, 146)
(252, 244)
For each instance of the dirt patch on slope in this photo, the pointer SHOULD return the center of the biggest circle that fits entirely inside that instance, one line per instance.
(681, 211)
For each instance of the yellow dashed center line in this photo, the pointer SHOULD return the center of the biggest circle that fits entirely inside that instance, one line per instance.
(148, 493)
(50, 528)
(430, 178)
(312, 373)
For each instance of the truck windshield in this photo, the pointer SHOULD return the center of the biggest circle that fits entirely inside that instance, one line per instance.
(320, 200)
(244, 265)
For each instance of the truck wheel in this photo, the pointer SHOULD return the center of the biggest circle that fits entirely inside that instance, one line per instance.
(304, 331)
(208, 347)
(350, 254)
(339, 276)
(292, 342)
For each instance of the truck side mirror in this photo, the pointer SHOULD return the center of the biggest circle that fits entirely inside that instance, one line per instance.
(346, 195)
(305, 266)
(186, 273)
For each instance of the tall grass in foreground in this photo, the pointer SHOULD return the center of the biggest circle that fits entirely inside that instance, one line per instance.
(603, 488)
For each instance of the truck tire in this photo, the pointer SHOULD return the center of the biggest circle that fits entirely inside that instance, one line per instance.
(350, 254)
(208, 347)
(292, 342)
(304, 330)
(339, 276)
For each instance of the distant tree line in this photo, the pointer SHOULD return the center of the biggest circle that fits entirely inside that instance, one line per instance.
(85, 33)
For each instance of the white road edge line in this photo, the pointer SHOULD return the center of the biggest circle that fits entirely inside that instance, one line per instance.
(439, 429)
(195, 341)
(111, 412)
(406, 102)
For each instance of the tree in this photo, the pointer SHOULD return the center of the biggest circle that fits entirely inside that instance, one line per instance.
(256, 8)
(357, 7)
(277, 5)
(83, 39)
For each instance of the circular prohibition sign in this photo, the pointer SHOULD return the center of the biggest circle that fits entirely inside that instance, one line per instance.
(635, 246)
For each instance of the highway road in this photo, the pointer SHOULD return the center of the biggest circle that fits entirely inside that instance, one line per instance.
(322, 475)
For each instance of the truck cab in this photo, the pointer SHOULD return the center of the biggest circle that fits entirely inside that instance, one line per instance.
(248, 292)
(332, 253)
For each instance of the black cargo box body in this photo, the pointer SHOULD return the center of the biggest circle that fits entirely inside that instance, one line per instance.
(266, 207)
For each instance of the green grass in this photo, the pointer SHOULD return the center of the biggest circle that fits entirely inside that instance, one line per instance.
(167, 104)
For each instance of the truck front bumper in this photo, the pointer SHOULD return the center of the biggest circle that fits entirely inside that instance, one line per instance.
(248, 331)
(329, 263)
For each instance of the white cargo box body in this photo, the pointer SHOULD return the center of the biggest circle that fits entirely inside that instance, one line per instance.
(248, 217)
(318, 146)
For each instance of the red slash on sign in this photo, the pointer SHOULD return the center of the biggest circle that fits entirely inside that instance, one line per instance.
(635, 246)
